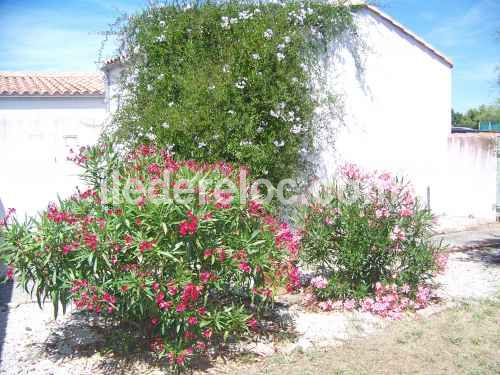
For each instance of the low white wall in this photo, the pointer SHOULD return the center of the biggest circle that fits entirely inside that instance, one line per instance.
(465, 180)
(36, 135)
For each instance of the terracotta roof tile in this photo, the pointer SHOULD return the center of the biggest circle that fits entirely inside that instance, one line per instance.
(51, 84)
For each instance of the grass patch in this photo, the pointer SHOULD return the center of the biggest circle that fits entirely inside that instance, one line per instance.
(463, 340)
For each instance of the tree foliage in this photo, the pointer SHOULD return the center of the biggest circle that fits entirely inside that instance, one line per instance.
(473, 116)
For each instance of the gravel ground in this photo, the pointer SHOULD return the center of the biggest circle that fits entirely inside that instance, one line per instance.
(32, 342)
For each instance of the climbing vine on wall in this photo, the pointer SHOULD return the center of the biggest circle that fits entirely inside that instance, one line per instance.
(231, 81)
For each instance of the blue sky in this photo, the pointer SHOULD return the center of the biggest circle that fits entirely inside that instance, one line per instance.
(65, 35)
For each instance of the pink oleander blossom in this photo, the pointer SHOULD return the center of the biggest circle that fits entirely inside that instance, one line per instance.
(398, 234)
(319, 282)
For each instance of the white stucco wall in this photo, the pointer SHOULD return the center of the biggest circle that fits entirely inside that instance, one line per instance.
(397, 116)
(36, 134)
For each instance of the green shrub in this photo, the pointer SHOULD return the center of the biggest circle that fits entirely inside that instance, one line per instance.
(229, 81)
(195, 270)
(366, 232)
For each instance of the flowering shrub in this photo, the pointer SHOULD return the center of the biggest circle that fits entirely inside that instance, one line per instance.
(368, 237)
(196, 270)
(228, 80)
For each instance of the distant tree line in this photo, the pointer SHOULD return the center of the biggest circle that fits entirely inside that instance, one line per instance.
(473, 116)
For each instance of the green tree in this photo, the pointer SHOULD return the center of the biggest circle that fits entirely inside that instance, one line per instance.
(473, 116)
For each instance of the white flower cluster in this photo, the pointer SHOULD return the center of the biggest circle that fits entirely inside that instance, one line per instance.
(287, 116)
(241, 84)
(161, 38)
(226, 21)
(262, 126)
(246, 143)
(298, 17)
(279, 143)
(268, 34)
(255, 56)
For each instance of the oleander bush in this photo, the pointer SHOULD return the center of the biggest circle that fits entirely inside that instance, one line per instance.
(367, 236)
(231, 81)
(196, 265)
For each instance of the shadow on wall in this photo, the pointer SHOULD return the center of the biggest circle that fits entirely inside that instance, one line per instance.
(5, 297)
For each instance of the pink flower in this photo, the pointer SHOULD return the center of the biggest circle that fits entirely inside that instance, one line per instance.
(405, 288)
(109, 298)
(181, 307)
(405, 212)
(10, 273)
(192, 321)
(351, 171)
(172, 290)
(319, 282)
(190, 293)
(245, 267)
(202, 310)
(293, 278)
(441, 262)
(398, 234)
(205, 277)
(382, 213)
(128, 239)
(181, 358)
(252, 324)
(154, 321)
(423, 295)
(349, 304)
(207, 333)
(329, 221)
(154, 169)
(90, 240)
(254, 207)
(367, 304)
(67, 249)
(145, 245)
(189, 226)
(325, 305)
(165, 305)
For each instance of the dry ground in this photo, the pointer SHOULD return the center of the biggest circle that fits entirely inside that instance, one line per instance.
(463, 340)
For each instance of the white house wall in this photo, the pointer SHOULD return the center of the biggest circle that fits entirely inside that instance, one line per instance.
(398, 115)
(36, 134)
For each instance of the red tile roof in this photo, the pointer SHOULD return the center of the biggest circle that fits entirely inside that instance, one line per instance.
(51, 84)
